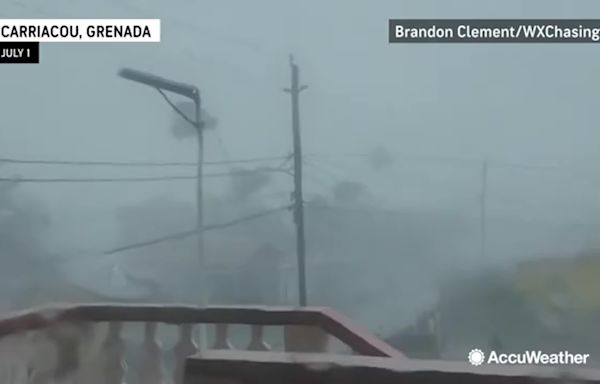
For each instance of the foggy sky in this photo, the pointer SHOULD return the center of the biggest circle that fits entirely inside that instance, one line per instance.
(524, 104)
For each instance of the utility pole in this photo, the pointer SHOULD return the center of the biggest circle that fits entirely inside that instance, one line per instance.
(294, 91)
(483, 208)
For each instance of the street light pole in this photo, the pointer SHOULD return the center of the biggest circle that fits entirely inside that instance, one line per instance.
(190, 92)
(202, 275)
(200, 207)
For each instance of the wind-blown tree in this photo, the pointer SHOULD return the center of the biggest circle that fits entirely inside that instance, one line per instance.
(379, 158)
(350, 192)
(247, 183)
(245, 198)
(481, 308)
(175, 264)
(23, 223)
(396, 251)
(180, 126)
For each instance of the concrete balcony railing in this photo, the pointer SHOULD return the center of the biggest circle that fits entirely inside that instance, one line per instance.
(155, 344)
(149, 344)
(241, 367)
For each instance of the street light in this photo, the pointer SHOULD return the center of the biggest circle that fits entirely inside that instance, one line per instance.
(191, 92)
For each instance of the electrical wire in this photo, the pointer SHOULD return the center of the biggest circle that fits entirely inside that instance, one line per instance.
(309, 160)
(100, 180)
(185, 234)
(16, 179)
(9, 160)
(195, 124)
(322, 169)
(448, 159)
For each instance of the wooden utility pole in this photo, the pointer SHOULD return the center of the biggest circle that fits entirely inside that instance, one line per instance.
(294, 91)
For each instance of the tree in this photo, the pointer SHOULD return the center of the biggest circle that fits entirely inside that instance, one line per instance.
(246, 183)
(349, 192)
(479, 307)
(379, 158)
(181, 128)
(23, 224)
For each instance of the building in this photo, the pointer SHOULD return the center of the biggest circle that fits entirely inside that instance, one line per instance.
(562, 282)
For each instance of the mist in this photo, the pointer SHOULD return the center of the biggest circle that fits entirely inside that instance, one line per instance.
(422, 162)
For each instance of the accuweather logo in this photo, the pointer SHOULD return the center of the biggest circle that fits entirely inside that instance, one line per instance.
(477, 357)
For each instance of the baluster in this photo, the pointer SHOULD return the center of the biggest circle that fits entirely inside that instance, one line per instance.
(257, 342)
(113, 365)
(72, 341)
(185, 347)
(12, 356)
(100, 364)
(39, 353)
(151, 371)
(221, 338)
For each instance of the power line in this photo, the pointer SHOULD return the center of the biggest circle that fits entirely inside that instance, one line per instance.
(437, 159)
(409, 214)
(135, 163)
(135, 179)
(321, 182)
(376, 211)
(446, 160)
(98, 180)
(182, 235)
(9, 160)
(320, 167)
(460, 160)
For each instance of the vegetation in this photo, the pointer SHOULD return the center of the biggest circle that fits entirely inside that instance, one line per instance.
(23, 224)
